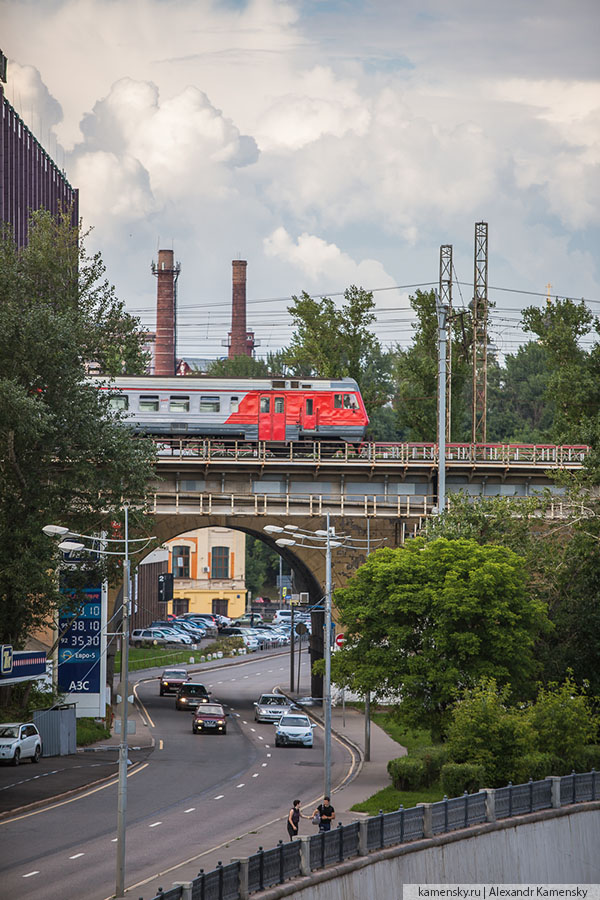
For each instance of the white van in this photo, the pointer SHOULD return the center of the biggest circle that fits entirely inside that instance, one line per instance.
(282, 617)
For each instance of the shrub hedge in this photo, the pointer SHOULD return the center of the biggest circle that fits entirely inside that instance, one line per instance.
(456, 778)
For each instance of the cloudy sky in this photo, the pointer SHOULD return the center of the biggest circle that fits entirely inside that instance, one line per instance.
(327, 142)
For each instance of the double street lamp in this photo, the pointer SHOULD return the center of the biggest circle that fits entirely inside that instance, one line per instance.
(68, 544)
(328, 540)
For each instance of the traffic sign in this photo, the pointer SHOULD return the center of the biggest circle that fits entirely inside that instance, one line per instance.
(340, 639)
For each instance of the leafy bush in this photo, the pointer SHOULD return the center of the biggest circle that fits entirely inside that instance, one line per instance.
(536, 765)
(562, 720)
(89, 731)
(484, 730)
(433, 758)
(407, 773)
(457, 778)
(587, 758)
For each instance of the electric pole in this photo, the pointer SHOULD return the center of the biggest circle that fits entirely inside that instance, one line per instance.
(480, 320)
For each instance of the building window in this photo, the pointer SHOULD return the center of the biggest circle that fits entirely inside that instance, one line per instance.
(219, 606)
(219, 562)
(181, 562)
(179, 404)
(119, 402)
(181, 606)
(210, 404)
(148, 404)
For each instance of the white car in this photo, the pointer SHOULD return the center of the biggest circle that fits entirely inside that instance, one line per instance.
(20, 741)
(282, 616)
(271, 707)
(250, 642)
(294, 729)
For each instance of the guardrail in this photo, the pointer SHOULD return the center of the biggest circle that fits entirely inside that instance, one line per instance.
(542, 456)
(304, 855)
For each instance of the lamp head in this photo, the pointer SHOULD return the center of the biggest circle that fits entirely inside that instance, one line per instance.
(54, 530)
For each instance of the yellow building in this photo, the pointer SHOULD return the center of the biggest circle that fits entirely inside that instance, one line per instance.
(209, 571)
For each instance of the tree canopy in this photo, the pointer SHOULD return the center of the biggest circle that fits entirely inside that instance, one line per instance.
(426, 620)
(64, 455)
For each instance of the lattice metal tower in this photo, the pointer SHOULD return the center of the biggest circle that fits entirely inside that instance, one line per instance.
(480, 320)
(446, 300)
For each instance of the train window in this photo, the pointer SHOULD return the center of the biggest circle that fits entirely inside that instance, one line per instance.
(309, 406)
(119, 402)
(278, 385)
(179, 404)
(148, 403)
(279, 405)
(234, 404)
(294, 384)
(307, 387)
(337, 401)
(350, 401)
(210, 404)
(265, 404)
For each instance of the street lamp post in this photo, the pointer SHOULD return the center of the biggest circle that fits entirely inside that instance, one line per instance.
(66, 545)
(327, 540)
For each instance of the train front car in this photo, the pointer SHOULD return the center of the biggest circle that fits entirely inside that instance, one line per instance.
(273, 410)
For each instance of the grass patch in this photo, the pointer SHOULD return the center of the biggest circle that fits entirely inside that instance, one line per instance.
(411, 738)
(150, 657)
(89, 731)
(389, 800)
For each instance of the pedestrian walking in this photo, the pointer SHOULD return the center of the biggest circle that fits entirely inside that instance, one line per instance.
(293, 819)
(324, 815)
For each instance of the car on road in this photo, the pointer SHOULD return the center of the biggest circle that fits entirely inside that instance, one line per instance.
(191, 695)
(271, 707)
(294, 729)
(172, 680)
(209, 717)
(18, 741)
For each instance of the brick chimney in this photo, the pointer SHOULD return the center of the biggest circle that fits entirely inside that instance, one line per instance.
(241, 342)
(166, 272)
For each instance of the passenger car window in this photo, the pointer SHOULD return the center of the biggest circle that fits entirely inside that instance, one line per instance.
(265, 404)
(234, 404)
(179, 404)
(350, 401)
(119, 402)
(309, 406)
(148, 403)
(337, 401)
(279, 404)
(210, 404)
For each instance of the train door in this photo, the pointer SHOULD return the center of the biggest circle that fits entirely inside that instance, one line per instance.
(271, 418)
(309, 414)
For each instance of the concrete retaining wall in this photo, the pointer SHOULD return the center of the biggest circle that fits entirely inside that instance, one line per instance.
(555, 846)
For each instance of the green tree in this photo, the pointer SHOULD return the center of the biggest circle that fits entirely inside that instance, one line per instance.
(426, 620)
(562, 720)
(64, 456)
(238, 367)
(521, 407)
(262, 566)
(336, 342)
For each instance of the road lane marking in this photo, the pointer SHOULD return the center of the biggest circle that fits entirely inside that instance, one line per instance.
(146, 713)
(220, 797)
(243, 784)
(268, 754)
(256, 774)
(29, 874)
(265, 764)
(219, 682)
(154, 824)
(246, 676)
(77, 855)
(253, 729)
(160, 744)
(191, 809)
(101, 787)
(114, 840)
(260, 737)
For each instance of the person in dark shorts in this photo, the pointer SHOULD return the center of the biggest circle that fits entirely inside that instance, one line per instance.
(326, 814)
(293, 819)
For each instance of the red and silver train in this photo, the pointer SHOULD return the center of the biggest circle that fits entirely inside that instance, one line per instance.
(263, 409)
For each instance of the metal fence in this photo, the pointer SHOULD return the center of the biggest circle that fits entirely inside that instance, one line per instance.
(300, 857)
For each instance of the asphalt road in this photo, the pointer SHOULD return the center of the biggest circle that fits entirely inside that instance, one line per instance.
(193, 793)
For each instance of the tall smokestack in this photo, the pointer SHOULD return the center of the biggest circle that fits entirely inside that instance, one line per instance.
(241, 342)
(167, 272)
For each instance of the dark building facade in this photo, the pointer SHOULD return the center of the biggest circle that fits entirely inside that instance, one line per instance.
(31, 180)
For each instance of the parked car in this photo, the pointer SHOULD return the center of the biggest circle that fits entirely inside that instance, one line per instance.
(191, 695)
(20, 740)
(172, 679)
(208, 620)
(197, 630)
(271, 707)
(140, 636)
(251, 619)
(294, 729)
(209, 717)
(251, 643)
(176, 636)
(282, 615)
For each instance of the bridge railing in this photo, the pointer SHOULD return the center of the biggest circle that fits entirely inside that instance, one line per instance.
(406, 454)
(302, 856)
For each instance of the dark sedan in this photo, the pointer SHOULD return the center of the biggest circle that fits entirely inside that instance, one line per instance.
(191, 695)
(172, 679)
(209, 717)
